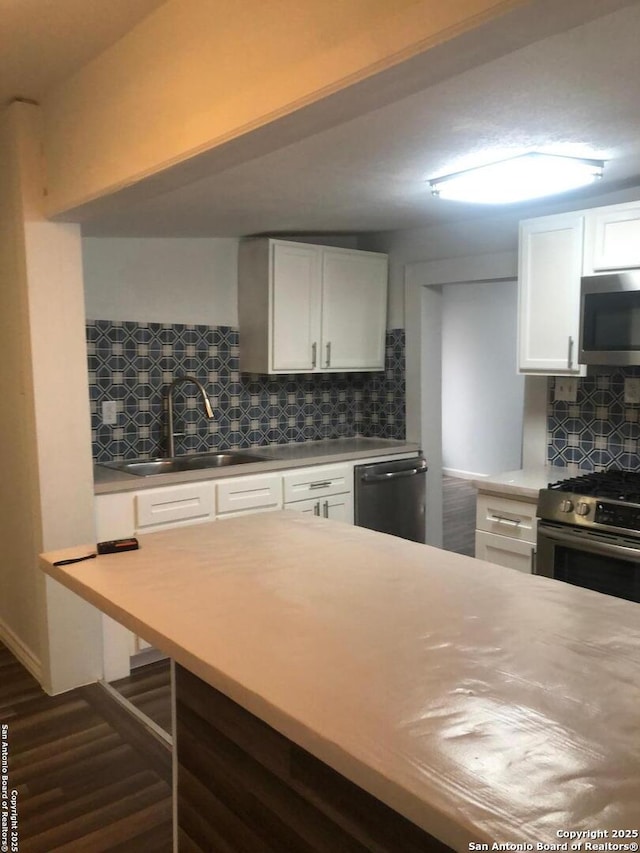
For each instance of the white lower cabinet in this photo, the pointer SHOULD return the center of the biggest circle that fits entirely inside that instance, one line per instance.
(505, 551)
(336, 507)
(173, 506)
(506, 532)
(323, 490)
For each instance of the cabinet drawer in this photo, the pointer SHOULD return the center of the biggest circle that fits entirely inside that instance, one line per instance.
(261, 492)
(505, 551)
(317, 482)
(516, 519)
(193, 502)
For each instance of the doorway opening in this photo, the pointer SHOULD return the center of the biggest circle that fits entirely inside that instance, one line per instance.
(484, 319)
(482, 398)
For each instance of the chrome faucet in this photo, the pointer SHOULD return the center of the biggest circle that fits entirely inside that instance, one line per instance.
(207, 408)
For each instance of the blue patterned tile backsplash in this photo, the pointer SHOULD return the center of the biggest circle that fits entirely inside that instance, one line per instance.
(133, 363)
(599, 430)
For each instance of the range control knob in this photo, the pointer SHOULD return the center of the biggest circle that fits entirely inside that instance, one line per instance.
(566, 506)
(583, 508)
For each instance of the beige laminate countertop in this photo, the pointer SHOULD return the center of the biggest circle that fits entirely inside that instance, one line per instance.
(275, 458)
(525, 483)
(481, 703)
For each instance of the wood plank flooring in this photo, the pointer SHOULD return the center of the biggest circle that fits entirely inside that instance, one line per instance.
(88, 776)
(149, 689)
(458, 516)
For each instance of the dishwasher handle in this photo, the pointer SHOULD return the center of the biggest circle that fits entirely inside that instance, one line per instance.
(421, 468)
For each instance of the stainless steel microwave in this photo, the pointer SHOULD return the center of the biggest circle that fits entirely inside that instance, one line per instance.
(610, 319)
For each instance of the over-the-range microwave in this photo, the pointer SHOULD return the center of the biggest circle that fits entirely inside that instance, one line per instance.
(610, 319)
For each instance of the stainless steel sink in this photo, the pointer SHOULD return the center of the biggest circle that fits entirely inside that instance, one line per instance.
(196, 462)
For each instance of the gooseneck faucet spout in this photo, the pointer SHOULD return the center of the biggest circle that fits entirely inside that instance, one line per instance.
(171, 435)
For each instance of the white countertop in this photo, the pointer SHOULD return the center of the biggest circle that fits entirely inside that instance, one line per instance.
(524, 483)
(481, 703)
(275, 458)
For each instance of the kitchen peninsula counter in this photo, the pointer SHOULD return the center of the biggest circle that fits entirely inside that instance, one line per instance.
(476, 702)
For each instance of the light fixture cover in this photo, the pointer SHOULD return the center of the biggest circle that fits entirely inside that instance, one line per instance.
(528, 176)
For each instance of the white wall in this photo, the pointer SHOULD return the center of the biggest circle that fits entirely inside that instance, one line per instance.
(47, 491)
(482, 394)
(192, 281)
(170, 280)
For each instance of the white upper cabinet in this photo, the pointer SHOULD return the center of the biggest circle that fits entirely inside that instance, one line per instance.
(305, 308)
(354, 309)
(550, 267)
(612, 238)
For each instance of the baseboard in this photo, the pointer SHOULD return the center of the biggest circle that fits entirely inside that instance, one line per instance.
(462, 475)
(21, 651)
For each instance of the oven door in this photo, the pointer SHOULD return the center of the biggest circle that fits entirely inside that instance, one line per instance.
(599, 561)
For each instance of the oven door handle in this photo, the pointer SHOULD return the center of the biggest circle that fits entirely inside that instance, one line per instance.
(585, 542)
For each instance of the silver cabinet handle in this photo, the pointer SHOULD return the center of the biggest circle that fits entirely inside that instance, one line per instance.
(328, 364)
(325, 509)
(316, 508)
(500, 519)
(533, 561)
(320, 484)
(570, 353)
(314, 354)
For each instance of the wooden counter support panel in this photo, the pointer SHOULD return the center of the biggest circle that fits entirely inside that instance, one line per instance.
(244, 787)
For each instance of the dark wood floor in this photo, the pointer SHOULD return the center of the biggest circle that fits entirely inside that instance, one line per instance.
(149, 689)
(458, 516)
(89, 777)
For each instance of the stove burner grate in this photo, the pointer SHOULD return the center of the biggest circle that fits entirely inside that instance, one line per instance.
(613, 484)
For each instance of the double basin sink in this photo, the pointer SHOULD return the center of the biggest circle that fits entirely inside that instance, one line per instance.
(195, 462)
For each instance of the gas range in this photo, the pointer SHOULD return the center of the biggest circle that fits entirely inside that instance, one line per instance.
(589, 532)
(605, 500)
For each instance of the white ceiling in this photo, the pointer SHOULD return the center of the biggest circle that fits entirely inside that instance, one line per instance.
(572, 93)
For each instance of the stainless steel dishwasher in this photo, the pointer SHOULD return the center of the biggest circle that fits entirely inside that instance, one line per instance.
(391, 497)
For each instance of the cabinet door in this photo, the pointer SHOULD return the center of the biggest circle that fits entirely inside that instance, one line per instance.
(550, 267)
(338, 508)
(504, 551)
(310, 507)
(354, 310)
(335, 507)
(612, 238)
(295, 307)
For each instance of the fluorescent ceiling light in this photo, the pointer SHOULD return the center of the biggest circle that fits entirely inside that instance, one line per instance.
(525, 177)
